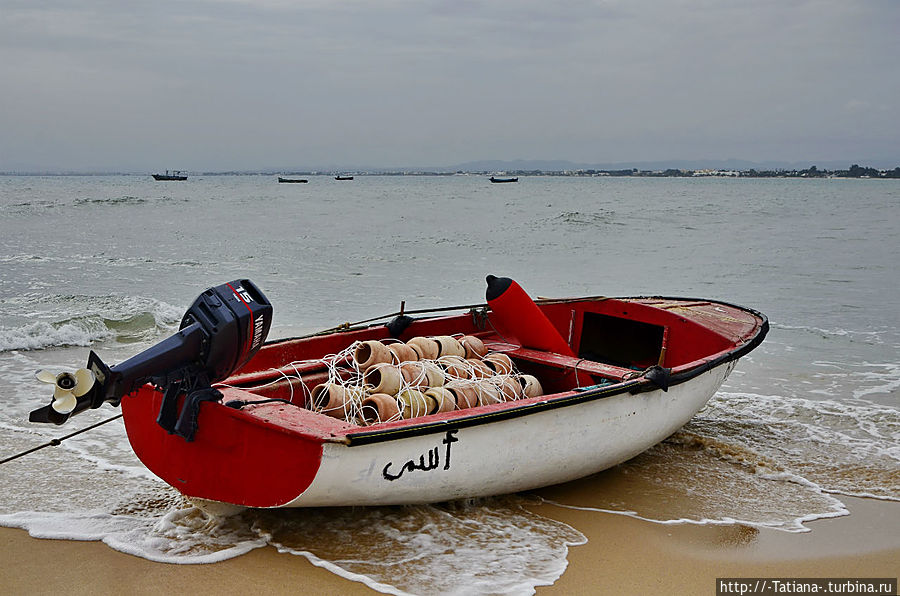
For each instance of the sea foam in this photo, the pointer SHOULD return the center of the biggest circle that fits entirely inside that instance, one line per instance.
(844, 448)
(490, 546)
(493, 546)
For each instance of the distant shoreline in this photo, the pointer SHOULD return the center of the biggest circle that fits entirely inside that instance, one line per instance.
(854, 171)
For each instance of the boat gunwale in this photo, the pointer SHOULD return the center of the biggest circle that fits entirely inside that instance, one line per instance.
(379, 321)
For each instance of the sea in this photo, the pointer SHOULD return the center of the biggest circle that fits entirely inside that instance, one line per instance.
(110, 263)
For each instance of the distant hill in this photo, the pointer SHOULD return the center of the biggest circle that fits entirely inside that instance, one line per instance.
(693, 164)
(497, 165)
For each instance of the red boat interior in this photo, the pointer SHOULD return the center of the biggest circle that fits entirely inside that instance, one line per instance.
(611, 340)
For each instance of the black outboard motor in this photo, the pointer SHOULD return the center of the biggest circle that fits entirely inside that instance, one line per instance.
(220, 332)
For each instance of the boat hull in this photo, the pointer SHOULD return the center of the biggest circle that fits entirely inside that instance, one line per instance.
(238, 460)
(264, 445)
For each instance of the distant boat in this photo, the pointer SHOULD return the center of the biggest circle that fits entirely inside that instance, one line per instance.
(293, 180)
(497, 180)
(343, 177)
(175, 175)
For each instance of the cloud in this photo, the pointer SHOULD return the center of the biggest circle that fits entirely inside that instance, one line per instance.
(230, 84)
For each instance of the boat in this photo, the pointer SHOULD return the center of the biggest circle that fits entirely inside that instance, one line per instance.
(343, 177)
(567, 387)
(500, 180)
(293, 180)
(175, 175)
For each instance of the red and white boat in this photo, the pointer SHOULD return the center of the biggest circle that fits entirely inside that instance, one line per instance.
(240, 426)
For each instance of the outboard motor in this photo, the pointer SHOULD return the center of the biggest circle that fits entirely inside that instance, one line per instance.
(220, 332)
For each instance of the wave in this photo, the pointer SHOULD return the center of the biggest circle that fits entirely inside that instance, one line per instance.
(876, 337)
(123, 200)
(429, 549)
(20, 258)
(582, 218)
(881, 377)
(795, 524)
(841, 448)
(689, 481)
(37, 336)
(419, 549)
(29, 207)
(83, 320)
(93, 259)
(38, 206)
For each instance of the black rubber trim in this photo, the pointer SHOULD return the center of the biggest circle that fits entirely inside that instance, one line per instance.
(439, 426)
(496, 286)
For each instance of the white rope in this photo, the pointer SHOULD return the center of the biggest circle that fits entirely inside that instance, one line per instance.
(343, 371)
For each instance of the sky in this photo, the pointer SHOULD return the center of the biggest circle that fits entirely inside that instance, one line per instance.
(220, 85)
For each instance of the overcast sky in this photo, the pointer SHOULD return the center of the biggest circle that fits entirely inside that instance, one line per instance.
(224, 85)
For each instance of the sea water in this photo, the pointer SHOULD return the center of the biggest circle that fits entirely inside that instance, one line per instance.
(110, 263)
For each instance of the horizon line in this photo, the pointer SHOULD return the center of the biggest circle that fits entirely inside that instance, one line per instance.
(514, 165)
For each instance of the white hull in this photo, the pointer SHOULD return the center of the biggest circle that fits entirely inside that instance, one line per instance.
(505, 456)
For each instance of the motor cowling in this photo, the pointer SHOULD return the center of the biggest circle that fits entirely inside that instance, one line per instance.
(220, 332)
(236, 317)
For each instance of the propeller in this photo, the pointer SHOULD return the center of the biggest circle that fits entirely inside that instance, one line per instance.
(68, 387)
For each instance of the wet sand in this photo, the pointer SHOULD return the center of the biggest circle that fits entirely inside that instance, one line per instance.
(622, 556)
(629, 556)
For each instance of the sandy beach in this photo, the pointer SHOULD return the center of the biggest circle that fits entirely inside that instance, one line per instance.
(622, 556)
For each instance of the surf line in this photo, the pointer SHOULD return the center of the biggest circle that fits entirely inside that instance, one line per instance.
(434, 459)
